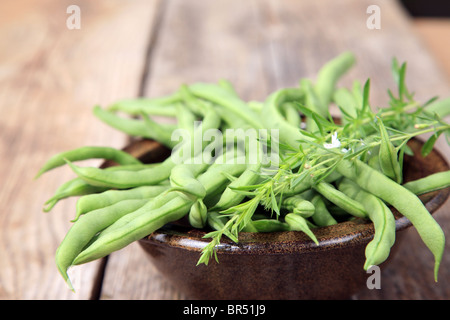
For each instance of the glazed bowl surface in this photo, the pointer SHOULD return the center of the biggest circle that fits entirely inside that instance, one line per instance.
(277, 265)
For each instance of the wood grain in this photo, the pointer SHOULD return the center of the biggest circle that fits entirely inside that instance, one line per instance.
(50, 78)
(435, 34)
(261, 46)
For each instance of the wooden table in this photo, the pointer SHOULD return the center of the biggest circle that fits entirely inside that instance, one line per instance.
(51, 77)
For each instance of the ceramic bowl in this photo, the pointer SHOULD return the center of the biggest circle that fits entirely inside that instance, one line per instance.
(278, 265)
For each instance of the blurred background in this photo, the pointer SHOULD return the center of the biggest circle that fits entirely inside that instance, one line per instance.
(432, 22)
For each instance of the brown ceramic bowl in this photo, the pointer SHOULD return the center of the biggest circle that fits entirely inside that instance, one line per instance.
(278, 265)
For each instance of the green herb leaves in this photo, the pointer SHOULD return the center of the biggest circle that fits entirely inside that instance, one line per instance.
(388, 158)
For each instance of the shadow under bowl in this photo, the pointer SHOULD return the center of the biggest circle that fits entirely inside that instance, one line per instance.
(277, 265)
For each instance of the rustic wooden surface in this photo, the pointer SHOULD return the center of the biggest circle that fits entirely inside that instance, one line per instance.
(436, 36)
(50, 77)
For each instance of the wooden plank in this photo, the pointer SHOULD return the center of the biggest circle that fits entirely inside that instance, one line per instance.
(50, 78)
(264, 45)
(435, 34)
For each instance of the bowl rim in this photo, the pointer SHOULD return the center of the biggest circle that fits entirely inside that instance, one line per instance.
(344, 234)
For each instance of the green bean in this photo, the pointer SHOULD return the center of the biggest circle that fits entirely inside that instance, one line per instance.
(377, 251)
(146, 221)
(313, 103)
(308, 194)
(269, 225)
(186, 118)
(298, 205)
(248, 144)
(440, 107)
(230, 197)
(228, 101)
(143, 224)
(190, 148)
(188, 151)
(72, 188)
(357, 91)
(388, 156)
(81, 232)
(249, 227)
(256, 106)
(298, 223)
(346, 102)
(321, 217)
(341, 200)
(124, 179)
(211, 120)
(307, 184)
(400, 198)
(137, 107)
(196, 105)
(183, 179)
(227, 85)
(292, 114)
(165, 197)
(152, 204)
(273, 118)
(131, 167)
(433, 182)
(162, 132)
(79, 187)
(230, 120)
(110, 222)
(85, 153)
(329, 75)
(92, 202)
(198, 214)
(374, 162)
(164, 106)
(138, 128)
(216, 175)
(319, 95)
(338, 212)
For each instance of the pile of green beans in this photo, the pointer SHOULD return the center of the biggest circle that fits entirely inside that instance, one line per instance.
(315, 184)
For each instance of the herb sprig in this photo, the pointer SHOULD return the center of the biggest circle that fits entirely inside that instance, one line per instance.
(351, 138)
